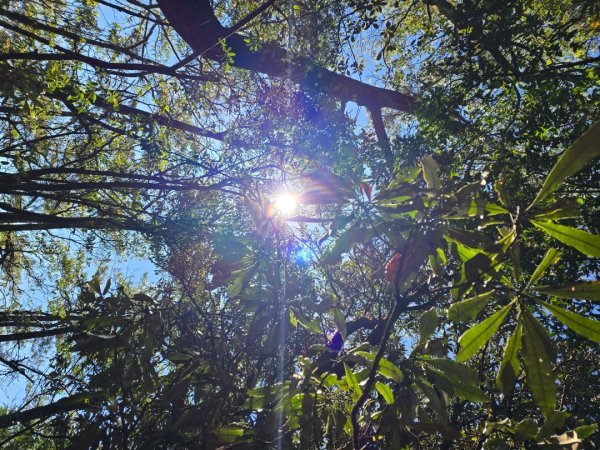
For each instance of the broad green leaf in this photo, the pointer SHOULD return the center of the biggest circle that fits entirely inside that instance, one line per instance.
(493, 210)
(427, 324)
(229, 434)
(501, 192)
(551, 257)
(389, 370)
(471, 239)
(553, 422)
(585, 148)
(452, 369)
(343, 244)
(468, 391)
(431, 172)
(538, 360)
(95, 285)
(463, 379)
(586, 243)
(385, 392)
(469, 308)
(586, 431)
(437, 261)
(339, 320)
(586, 291)
(352, 382)
(239, 279)
(386, 368)
(437, 402)
(509, 367)
(313, 326)
(476, 337)
(586, 327)
(526, 429)
(564, 208)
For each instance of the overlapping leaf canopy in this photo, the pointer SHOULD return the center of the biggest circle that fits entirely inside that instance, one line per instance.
(437, 286)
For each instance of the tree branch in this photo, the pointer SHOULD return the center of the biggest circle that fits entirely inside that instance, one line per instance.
(382, 137)
(196, 23)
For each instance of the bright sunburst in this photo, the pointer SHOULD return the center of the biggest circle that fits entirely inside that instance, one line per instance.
(285, 204)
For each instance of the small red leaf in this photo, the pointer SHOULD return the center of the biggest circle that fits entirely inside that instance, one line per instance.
(392, 267)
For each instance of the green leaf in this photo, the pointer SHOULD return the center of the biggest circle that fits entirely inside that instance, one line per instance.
(476, 337)
(551, 257)
(385, 392)
(469, 308)
(585, 148)
(313, 326)
(229, 434)
(352, 383)
(343, 244)
(389, 370)
(431, 172)
(509, 367)
(586, 291)
(564, 208)
(452, 369)
(427, 324)
(340, 320)
(585, 327)
(493, 210)
(538, 357)
(586, 243)
(437, 401)
(386, 368)
(553, 422)
(586, 431)
(106, 287)
(526, 429)
(462, 378)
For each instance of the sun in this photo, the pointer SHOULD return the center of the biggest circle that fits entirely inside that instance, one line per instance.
(285, 204)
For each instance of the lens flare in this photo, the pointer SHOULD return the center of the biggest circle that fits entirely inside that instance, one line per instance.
(285, 204)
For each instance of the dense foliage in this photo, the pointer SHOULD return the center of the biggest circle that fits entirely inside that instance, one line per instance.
(436, 286)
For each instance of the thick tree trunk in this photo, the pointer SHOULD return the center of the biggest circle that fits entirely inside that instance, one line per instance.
(197, 24)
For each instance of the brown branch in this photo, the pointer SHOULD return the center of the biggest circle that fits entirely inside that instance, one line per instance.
(68, 55)
(196, 23)
(34, 334)
(74, 402)
(399, 306)
(382, 137)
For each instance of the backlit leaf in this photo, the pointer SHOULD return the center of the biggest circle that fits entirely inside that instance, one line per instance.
(586, 327)
(509, 367)
(427, 324)
(586, 291)
(462, 378)
(352, 382)
(469, 308)
(431, 172)
(585, 148)
(538, 358)
(476, 337)
(386, 368)
(385, 392)
(586, 243)
(551, 257)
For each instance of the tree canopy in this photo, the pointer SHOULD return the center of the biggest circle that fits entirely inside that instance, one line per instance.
(370, 224)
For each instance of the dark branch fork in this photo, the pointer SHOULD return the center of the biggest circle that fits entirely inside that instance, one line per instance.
(196, 23)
